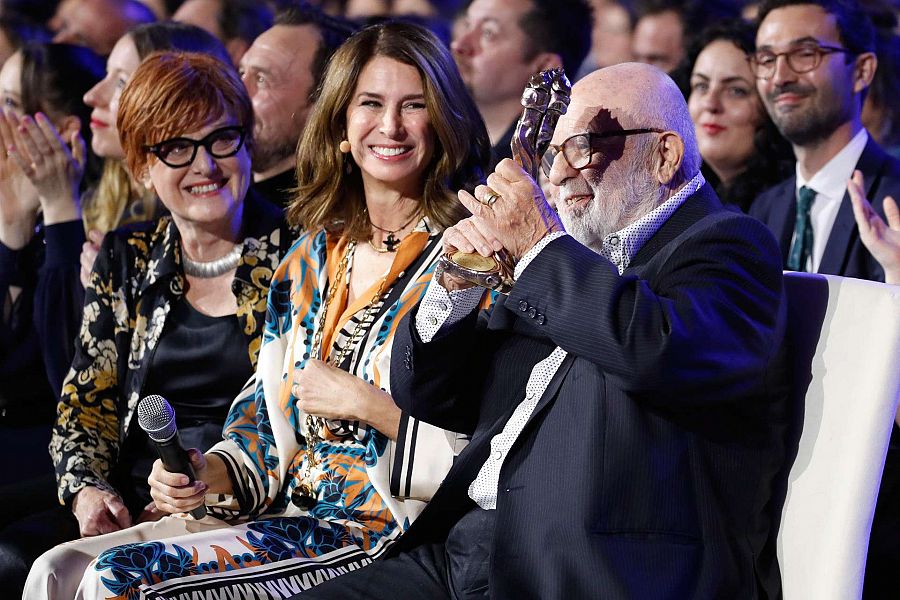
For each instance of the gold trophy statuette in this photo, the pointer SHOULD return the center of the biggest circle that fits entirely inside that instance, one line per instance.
(545, 99)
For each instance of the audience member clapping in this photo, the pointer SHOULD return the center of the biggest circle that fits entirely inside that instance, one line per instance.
(880, 238)
(314, 444)
(41, 85)
(743, 153)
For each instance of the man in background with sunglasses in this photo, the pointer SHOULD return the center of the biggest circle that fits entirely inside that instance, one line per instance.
(626, 400)
(814, 63)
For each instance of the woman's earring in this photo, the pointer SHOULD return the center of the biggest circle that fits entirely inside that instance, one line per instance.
(344, 147)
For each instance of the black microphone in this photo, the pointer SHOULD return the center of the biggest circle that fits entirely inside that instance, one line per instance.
(157, 419)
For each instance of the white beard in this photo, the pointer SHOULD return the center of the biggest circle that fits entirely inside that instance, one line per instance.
(591, 224)
(611, 208)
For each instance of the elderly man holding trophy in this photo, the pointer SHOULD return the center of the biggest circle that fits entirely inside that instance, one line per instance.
(626, 393)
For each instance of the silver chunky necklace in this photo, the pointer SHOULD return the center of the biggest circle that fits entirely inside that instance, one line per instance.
(213, 268)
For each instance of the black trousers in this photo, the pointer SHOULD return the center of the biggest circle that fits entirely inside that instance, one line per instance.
(458, 569)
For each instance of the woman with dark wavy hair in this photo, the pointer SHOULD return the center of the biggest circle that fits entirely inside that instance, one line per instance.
(743, 153)
(319, 459)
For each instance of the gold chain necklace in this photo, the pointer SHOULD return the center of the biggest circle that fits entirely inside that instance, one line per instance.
(304, 495)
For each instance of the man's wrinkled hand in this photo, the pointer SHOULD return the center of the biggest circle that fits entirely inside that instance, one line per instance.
(515, 221)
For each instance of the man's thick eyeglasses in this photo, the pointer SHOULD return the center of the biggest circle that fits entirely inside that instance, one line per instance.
(801, 59)
(181, 151)
(578, 150)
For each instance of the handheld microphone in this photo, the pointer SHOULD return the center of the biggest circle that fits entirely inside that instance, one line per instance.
(157, 419)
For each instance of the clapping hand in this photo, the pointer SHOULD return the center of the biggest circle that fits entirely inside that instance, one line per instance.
(19, 203)
(47, 161)
(880, 238)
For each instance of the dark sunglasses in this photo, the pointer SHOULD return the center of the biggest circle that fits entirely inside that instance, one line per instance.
(181, 151)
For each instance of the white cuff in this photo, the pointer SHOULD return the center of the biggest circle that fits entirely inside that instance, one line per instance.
(441, 307)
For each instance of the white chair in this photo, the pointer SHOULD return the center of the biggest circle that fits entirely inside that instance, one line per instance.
(845, 342)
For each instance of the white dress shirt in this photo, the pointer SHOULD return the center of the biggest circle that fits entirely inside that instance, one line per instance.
(830, 184)
(439, 308)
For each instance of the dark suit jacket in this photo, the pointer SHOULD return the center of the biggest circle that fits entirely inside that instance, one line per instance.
(844, 253)
(646, 467)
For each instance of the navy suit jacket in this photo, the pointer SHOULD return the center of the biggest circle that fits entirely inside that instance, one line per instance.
(844, 253)
(646, 469)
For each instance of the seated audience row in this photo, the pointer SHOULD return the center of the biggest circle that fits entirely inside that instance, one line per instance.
(359, 367)
(374, 217)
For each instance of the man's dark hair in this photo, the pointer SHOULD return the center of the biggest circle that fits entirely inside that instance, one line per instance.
(172, 35)
(244, 19)
(648, 8)
(695, 15)
(854, 26)
(333, 31)
(562, 27)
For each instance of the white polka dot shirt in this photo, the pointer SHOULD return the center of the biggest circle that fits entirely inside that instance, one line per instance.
(620, 247)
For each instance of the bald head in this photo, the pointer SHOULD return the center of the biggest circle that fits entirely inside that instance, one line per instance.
(627, 175)
(634, 96)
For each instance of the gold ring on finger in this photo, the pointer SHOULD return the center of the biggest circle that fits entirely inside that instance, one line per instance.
(490, 198)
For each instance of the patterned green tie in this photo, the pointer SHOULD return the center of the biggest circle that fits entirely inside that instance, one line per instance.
(801, 247)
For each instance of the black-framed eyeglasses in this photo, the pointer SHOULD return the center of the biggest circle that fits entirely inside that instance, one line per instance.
(181, 151)
(801, 59)
(579, 149)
